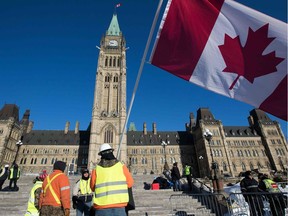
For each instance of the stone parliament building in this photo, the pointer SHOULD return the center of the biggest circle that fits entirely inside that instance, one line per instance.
(260, 145)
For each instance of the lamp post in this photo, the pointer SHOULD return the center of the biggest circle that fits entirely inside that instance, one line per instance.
(217, 184)
(18, 144)
(164, 144)
(201, 158)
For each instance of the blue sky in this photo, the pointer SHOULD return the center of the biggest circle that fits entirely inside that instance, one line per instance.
(48, 60)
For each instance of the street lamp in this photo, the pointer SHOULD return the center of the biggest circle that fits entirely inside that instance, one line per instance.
(164, 144)
(18, 144)
(201, 158)
(217, 187)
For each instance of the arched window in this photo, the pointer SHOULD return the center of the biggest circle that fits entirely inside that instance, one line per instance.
(108, 135)
(52, 161)
(35, 161)
(251, 166)
(224, 166)
(110, 62)
(106, 61)
(25, 160)
(243, 167)
(234, 167)
(114, 62)
(259, 165)
(32, 161)
(21, 161)
(118, 62)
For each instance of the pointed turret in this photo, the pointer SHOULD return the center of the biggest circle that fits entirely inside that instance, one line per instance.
(114, 29)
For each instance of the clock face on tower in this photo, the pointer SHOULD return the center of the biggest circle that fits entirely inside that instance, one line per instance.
(113, 43)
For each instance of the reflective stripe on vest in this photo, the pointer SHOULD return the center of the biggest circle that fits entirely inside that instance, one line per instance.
(84, 186)
(12, 171)
(187, 170)
(51, 189)
(111, 185)
(271, 186)
(31, 209)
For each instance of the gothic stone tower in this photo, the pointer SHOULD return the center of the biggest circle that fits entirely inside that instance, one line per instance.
(109, 107)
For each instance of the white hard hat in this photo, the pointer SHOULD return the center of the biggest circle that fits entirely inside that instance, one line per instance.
(6, 165)
(104, 147)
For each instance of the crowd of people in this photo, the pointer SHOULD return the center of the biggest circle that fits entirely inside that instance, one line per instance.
(108, 191)
(257, 192)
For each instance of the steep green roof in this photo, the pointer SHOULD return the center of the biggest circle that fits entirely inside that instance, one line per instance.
(114, 29)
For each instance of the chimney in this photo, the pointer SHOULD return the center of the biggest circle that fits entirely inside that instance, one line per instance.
(145, 128)
(77, 127)
(154, 128)
(30, 126)
(67, 127)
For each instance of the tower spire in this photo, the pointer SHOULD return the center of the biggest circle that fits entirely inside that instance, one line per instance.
(114, 29)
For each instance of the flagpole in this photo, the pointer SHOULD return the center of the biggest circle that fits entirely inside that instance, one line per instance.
(139, 74)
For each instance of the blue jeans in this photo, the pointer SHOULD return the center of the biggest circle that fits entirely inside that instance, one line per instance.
(110, 212)
(177, 185)
(83, 208)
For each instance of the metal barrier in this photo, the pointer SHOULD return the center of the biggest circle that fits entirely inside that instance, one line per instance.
(257, 204)
(198, 204)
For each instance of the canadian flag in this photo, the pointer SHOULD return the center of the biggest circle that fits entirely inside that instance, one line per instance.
(227, 48)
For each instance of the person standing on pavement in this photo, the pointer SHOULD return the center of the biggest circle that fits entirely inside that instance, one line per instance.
(110, 181)
(4, 171)
(188, 175)
(33, 202)
(55, 193)
(249, 188)
(175, 174)
(82, 195)
(275, 197)
(14, 175)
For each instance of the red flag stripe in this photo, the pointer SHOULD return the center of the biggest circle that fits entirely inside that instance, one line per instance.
(276, 103)
(176, 35)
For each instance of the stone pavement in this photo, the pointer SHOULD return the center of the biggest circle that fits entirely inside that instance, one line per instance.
(148, 202)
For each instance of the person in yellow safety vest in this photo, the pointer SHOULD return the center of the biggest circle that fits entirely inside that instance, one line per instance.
(188, 175)
(33, 202)
(82, 195)
(110, 181)
(275, 197)
(14, 175)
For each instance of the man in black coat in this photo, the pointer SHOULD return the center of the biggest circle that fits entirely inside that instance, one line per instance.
(249, 188)
(3, 175)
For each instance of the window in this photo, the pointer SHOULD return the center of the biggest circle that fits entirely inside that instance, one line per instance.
(243, 167)
(108, 135)
(234, 167)
(224, 166)
(35, 161)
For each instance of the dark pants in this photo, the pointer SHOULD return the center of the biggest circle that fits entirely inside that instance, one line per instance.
(1, 184)
(83, 208)
(14, 181)
(189, 180)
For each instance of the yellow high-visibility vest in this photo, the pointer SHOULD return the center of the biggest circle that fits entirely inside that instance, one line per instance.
(84, 186)
(271, 186)
(12, 171)
(111, 186)
(187, 170)
(31, 209)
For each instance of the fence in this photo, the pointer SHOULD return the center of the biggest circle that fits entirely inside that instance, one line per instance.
(257, 204)
(198, 204)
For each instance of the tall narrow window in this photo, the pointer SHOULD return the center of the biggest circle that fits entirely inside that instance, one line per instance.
(108, 135)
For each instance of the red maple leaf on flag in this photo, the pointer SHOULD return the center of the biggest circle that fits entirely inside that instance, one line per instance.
(249, 61)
